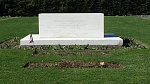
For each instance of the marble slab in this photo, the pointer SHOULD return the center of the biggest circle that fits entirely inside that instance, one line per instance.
(71, 41)
(71, 25)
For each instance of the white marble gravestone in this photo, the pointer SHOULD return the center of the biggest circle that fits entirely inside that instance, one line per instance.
(71, 29)
(70, 25)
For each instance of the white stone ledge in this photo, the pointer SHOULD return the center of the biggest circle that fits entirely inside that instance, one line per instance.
(71, 41)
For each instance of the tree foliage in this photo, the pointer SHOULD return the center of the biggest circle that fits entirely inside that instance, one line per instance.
(109, 7)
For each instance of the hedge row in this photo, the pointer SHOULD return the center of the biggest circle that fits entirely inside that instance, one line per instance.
(109, 7)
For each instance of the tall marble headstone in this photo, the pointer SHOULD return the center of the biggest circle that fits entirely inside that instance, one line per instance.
(70, 25)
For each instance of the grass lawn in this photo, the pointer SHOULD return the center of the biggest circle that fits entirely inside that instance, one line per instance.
(136, 62)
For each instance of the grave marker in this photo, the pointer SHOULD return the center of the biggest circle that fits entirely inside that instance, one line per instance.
(71, 29)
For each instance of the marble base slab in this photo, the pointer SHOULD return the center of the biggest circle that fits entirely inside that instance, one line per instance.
(107, 40)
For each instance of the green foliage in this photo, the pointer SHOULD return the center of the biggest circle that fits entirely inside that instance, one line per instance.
(108, 7)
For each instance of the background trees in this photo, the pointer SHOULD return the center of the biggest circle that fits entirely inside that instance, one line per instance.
(109, 7)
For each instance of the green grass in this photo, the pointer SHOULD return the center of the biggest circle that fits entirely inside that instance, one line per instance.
(129, 26)
(17, 27)
(136, 61)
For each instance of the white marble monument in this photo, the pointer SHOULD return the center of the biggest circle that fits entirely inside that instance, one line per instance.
(71, 29)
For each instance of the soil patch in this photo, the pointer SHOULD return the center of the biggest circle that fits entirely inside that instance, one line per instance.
(71, 53)
(72, 64)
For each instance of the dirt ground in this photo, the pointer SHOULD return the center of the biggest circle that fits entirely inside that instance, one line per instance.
(72, 64)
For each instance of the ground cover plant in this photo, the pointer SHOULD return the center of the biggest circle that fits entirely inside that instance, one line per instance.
(135, 61)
